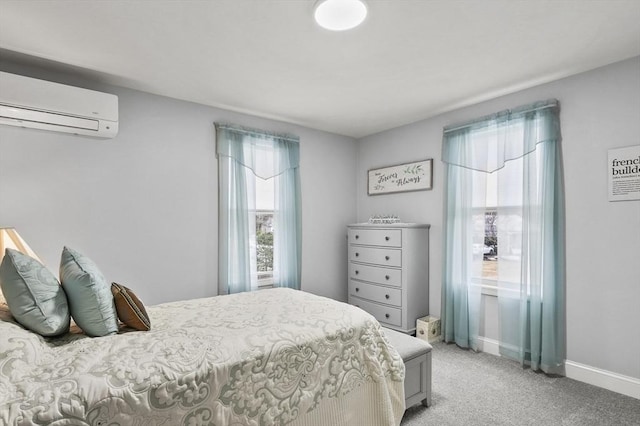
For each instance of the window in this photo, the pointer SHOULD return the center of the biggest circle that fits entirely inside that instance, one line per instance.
(504, 200)
(498, 216)
(259, 231)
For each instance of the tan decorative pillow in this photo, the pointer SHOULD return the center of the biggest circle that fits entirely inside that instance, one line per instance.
(130, 309)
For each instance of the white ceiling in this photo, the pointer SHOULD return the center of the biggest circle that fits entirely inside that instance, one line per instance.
(410, 59)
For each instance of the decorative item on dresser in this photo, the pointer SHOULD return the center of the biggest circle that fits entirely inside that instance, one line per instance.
(389, 272)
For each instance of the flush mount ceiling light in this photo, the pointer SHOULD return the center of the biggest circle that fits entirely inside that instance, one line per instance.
(340, 15)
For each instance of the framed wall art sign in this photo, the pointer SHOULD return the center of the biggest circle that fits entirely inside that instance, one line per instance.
(403, 177)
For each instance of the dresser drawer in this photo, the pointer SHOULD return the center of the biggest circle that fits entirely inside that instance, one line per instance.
(384, 314)
(376, 293)
(375, 274)
(378, 256)
(376, 237)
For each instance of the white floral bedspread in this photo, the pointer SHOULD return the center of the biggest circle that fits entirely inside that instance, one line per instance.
(271, 357)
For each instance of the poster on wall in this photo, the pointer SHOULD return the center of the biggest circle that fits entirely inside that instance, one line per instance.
(624, 173)
(403, 177)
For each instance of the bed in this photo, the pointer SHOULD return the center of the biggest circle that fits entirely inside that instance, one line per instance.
(270, 357)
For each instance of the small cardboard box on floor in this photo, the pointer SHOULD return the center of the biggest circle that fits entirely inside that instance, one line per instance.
(428, 328)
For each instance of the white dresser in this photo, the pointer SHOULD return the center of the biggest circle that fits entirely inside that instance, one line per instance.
(389, 272)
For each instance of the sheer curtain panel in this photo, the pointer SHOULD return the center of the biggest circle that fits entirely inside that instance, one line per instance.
(288, 227)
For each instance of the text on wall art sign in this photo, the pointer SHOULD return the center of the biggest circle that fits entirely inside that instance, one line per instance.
(624, 173)
(415, 176)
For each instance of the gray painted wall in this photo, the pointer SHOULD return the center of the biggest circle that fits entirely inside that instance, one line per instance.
(600, 110)
(143, 206)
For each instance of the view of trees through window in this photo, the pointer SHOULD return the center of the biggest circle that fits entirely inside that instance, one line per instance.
(264, 245)
(265, 200)
(500, 256)
(490, 249)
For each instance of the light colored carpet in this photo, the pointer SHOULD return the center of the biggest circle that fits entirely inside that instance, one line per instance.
(480, 389)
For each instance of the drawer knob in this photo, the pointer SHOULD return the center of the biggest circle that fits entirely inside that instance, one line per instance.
(386, 315)
(421, 331)
(357, 272)
(357, 254)
(357, 236)
(386, 238)
(386, 277)
(386, 296)
(386, 258)
(357, 289)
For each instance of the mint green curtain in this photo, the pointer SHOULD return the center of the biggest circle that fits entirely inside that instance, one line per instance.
(287, 239)
(521, 150)
(244, 154)
(234, 255)
(461, 300)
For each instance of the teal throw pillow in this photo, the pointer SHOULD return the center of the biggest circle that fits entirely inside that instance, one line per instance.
(90, 299)
(33, 294)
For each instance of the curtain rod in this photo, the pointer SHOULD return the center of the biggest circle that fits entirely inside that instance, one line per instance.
(257, 132)
(550, 103)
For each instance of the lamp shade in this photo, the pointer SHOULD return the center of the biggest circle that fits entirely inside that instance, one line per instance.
(9, 238)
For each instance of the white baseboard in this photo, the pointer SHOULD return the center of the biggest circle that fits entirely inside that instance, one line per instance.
(615, 382)
(489, 346)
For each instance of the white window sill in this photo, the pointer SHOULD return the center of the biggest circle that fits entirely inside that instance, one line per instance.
(487, 287)
(489, 290)
(265, 283)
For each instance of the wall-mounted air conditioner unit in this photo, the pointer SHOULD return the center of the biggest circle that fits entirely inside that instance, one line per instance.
(40, 104)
